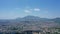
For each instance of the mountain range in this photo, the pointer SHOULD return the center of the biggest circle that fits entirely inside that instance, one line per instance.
(32, 20)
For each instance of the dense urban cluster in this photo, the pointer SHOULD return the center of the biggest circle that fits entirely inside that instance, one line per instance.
(30, 25)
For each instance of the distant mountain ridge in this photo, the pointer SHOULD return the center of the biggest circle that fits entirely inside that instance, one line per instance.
(36, 18)
(31, 18)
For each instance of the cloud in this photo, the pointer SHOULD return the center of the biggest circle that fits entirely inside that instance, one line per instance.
(27, 11)
(30, 10)
(36, 9)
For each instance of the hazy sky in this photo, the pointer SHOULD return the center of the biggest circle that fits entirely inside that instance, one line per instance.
(10, 9)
